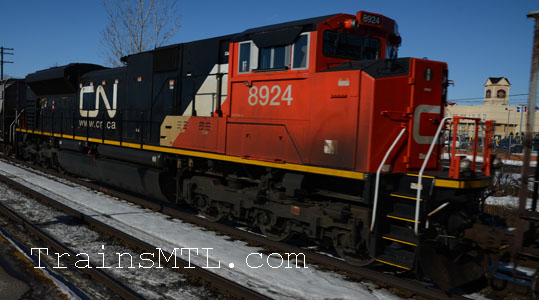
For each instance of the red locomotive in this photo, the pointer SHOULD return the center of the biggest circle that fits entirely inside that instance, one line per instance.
(311, 128)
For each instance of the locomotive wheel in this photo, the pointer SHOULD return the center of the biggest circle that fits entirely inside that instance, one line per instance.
(61, 170)
(353, 256)
(213, 213)
(44, 163)
(209, 210)
(275, 230)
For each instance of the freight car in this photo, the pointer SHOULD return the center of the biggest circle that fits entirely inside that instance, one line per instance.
(12, 103)
(313, 128)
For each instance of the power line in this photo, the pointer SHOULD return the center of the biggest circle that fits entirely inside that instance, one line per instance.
(481, 98)
(2, 61)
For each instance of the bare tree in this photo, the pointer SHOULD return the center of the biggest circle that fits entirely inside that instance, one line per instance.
(137, 25)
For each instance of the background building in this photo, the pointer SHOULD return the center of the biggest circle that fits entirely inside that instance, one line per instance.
(509, 120)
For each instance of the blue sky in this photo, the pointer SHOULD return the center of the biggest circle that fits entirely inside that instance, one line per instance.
(477, 38)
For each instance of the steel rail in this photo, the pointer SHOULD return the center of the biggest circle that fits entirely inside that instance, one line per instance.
(116, 286)
(312, 257)
(32, 259)
(201, 275)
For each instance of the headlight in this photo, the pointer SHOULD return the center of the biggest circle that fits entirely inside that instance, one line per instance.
(496, 163)
(465, 165)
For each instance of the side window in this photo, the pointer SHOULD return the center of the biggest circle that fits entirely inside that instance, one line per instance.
(300, 56)
(244, 65)
(265, 58)
(391, 51)
(274, 57)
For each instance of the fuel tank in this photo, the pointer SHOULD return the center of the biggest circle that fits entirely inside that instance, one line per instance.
(134, 178)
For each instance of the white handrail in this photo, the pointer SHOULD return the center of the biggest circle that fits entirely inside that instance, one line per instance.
(420, 175)
(377, 183)
(12, 126)
(434, 212)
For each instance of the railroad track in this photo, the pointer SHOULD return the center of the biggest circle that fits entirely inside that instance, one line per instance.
(114, 285)
(409, 287)
(200, 275)
(38, 275)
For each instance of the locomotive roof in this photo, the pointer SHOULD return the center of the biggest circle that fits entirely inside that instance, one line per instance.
(279, 34)
(63, 80)
(60, 72)
(302, 25)
(263, 36)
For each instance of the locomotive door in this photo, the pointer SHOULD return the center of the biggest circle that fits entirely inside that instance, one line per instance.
(427, 111)
(136, 114)
(166, 70)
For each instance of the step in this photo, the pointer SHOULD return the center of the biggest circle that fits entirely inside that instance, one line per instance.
(408, 185)
(405, 196)
(402, 235)
(403, 212)
(398, 258)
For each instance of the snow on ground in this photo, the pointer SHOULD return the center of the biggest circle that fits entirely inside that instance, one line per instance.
(151, 283)
(270, 275)
(507, 201)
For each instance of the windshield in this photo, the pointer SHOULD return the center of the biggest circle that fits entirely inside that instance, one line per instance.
(350, 46)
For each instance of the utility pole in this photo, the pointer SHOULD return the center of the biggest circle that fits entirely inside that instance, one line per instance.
(522, 106)
(2, 96)
(3, 51)
(507, 126)
(528, 142)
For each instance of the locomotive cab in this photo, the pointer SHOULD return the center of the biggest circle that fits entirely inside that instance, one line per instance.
(351, 104)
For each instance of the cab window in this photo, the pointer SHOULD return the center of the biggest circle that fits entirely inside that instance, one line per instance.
(300, 55)
(274, 58)
(350, 46)
(244, 65)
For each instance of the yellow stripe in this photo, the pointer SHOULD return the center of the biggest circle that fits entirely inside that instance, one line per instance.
(93, 140)
(417, 175)
(399, 241)
(131, 145)
(115, 143)
(388, 263)
(402, 219)
(405, 197)
(287, 166)
(462, 184)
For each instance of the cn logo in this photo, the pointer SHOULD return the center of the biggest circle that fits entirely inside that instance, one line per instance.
(99, 94)
(424, 109)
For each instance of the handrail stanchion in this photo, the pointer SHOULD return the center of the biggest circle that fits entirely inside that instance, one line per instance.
(486, 167)
(13, 126)
(475, 138)
(420, 175)
(377, 182)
